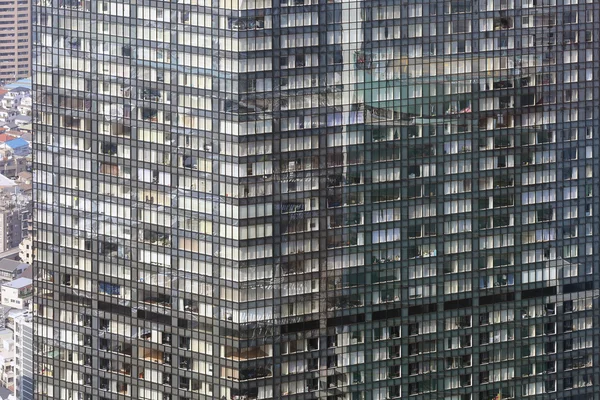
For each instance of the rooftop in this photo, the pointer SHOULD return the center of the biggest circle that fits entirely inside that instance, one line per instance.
(24, 135)
(16, 143)
(26, 83)
(23, 118)
(16, 313)
(10, 255)
(18, 283)
(4, 137)
(20, 89)
(26, 127)
(12, 265)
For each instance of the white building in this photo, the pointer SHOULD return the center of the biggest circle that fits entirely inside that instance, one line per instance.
(17, 293)
(24, 357)
(7, 359)
(26, 250)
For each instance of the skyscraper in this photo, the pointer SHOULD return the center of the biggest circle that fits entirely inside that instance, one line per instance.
(310, 199)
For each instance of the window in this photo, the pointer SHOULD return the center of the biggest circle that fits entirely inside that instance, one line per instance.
(570, 17)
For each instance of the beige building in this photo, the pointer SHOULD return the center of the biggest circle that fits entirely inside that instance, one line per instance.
(26, 250)
(15, 34)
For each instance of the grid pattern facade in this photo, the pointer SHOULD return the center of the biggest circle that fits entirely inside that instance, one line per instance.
(311, 199)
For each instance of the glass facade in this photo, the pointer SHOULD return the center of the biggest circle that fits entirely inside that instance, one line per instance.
(316, 199)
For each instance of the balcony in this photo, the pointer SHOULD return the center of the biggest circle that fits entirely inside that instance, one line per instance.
(244, 24)
(345, 240)
(246, 354)
(338, 180)
(244, 394)
(503, 23)
(191, 306)
(112, 169)
(108, 149)
(156, 238)
(154, 355)
(255, 373)
(299, 165)
(115, 367)
(383, 195)
(76, 123)
(351, 219)
(386, 296)
(422, 251)
(157, 299)
(75, 103)
(343, 302)
(116, 347)
(115, 129)
(151, 95)
(114, 250)
(300, 225)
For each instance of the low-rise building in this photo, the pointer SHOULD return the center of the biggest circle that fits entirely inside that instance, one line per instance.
(11, 269)
(17, 293)
(13, 98)
(19, 146)
(10, 163)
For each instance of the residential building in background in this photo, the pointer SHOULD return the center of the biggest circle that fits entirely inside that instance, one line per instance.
(310, 199)
(17, 293)
(15, 214)
(7, 359)
(11, 269)
(15, 40)
(24, 357)
(26, 250)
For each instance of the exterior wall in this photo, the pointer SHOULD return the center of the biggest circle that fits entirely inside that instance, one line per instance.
(312, 199)
(7, 364)
(26, 250)
(16, 297)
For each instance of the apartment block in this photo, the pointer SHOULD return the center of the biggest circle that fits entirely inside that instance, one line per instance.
(24, 357)
(15, 40)
(15, 215)
(316, 199)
